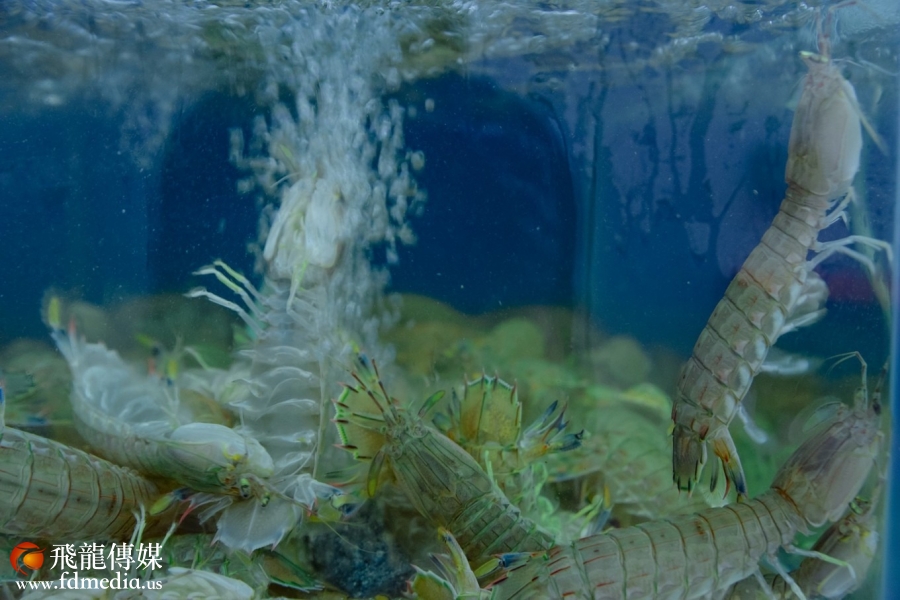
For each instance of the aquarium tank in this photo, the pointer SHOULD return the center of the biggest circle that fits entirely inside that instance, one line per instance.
(448, 299)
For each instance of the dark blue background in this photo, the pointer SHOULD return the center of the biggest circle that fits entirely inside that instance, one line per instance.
(498, 228)
(502, 225)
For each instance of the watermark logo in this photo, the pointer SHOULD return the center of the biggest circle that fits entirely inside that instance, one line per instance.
(26, 555)
(126, 566)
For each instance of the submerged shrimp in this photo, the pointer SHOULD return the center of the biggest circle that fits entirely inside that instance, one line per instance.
(487, 422)
(851, 544)
(775, 290)
(50, 490)
(454, 578)
(702, 555)
(629, 453)
(142, 422)
(445, 484)
(134, 420)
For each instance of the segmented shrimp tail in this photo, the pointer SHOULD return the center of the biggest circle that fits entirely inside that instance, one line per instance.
(688, 457)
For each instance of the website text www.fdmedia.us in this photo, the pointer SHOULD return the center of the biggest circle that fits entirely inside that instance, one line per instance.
(76, 582)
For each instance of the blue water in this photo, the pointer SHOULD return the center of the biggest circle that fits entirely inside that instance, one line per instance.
(589, 178)
(495, 233)
(502, 227)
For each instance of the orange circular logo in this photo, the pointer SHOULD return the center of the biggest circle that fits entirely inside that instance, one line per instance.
(26, 555)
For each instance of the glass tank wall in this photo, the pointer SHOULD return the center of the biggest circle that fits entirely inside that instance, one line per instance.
(327, 290)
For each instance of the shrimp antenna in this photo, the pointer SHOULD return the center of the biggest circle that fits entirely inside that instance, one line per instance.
(840, 358)
(827, 25)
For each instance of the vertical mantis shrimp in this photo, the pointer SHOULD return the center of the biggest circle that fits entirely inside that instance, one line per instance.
(776, 289)
(277, 387)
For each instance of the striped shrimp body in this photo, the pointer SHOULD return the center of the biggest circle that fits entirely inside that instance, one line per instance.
(701, 556)
(775, 290)
(136, 421)
(851, 543)
(443, 482)
(50, 490)
(854, 541)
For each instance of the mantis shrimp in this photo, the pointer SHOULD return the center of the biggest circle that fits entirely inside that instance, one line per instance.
(486, 421)
(135, 421)
(141, 422)
(628, 453)
(850, 542)
(671, 556)
(444, 483)
(704, 554)
(48, 489)
(776, 289)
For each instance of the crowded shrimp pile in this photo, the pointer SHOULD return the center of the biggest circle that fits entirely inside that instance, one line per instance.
(311, 453)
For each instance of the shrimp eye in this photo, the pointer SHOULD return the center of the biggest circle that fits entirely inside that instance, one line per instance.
(264, 501)
(245, 488)
(226, 478)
